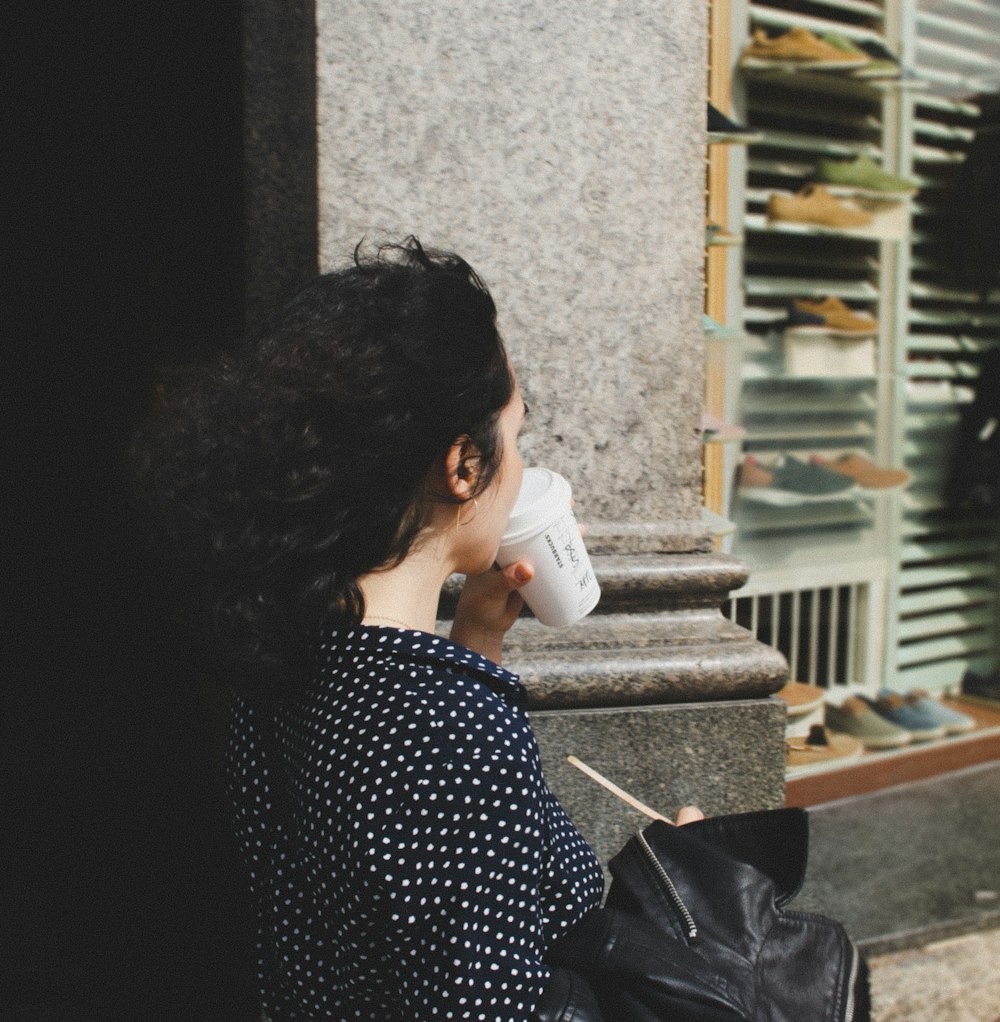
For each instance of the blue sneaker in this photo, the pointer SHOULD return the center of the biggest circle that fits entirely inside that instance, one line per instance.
(906, 714)
(953, 721)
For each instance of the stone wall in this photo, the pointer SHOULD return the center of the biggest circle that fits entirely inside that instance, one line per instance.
(559, 147)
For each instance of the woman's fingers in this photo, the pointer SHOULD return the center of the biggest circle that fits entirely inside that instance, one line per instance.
(689, 814)
(518, 574)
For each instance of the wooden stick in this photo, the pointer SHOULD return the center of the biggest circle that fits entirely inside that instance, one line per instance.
(615, 790)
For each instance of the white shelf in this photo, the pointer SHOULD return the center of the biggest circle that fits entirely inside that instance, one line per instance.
(810, 287)
(944, 598)
(821, 431)
(889, 227)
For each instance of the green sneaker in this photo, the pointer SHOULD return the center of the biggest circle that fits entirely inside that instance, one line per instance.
(843, 43)
(882, 63)
(864, 173)
(856, 718)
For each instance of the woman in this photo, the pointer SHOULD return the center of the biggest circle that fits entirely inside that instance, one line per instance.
(406, 857)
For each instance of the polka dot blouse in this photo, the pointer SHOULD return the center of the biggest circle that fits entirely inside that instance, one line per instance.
(406, 857)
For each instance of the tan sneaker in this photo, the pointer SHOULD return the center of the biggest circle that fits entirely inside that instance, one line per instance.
(798, 47)
(813, 204)
(801, 698)
(865, 473)
(838, 318)
(753, 476)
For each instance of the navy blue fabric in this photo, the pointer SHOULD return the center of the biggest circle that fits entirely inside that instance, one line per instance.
(406, 856)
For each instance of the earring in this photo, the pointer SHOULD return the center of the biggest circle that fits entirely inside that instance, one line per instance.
(475, 511)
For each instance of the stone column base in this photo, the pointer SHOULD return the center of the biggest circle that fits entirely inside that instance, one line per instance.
(724, 757)
(657, 636)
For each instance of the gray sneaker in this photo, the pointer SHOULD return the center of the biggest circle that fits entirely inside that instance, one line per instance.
(856, 718)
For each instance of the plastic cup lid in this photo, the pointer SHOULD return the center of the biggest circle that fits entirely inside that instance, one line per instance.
(543, 497)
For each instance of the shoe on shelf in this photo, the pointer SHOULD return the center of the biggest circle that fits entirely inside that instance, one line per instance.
(953, 721)
(829, 315)
(821, 745)
(802, 322)
(714, 429)
(797, 48)
(883, 65)
(865, 473)
(723, 129)
(907, 714)
(813, 204)
(716, 330)
(791, 483)
(800, 698)
(855, 717)
(982, 686)
(753, 476)
(716, 234)
(863, 173)
(880, 62)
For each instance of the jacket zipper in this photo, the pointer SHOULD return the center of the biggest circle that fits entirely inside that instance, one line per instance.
(668, 886)
(851, 980)
(850, 1005)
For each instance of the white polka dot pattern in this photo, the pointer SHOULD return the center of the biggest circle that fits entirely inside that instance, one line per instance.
(411, 862)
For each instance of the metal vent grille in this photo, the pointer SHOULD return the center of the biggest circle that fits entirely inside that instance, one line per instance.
(828, 634)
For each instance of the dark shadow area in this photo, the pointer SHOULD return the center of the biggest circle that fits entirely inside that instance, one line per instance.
(119, 888)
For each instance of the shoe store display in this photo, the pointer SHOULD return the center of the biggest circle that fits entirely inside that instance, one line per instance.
(879, 60)
(815, 205)
(864, 174)
(907, 714)
(798, 48)
(882, 64)
(714, 429)
(982, 686)
(829, 315)
(791, 483)
(716, 234)
(856, 717)
(866, 474)
(821, 745)
(801, 698)
(829, 356)
(717, 331)
(800, 321)
(933, 710)
(723, 129)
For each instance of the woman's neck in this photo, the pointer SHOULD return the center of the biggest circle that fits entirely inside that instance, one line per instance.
(406, 595)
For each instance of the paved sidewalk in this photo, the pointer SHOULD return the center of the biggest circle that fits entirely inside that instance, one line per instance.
(955, 980)
(911, 864)
(913, 873)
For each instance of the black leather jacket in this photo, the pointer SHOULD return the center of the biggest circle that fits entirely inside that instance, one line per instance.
(695, 929)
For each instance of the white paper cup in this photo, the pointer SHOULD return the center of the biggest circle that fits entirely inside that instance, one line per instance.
(543, 530)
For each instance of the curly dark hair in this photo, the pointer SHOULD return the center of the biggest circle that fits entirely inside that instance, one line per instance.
(286, 472)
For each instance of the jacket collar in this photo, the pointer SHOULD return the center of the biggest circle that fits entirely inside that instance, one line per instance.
(427, 648)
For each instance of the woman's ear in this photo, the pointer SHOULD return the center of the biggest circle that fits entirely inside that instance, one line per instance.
(461, 466)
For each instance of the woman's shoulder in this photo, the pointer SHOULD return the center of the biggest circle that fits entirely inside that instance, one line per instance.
(381, 709)
(367, 677)
(393, 655)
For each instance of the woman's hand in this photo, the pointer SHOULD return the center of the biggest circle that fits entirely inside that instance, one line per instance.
(689, 814)
(488, 606)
